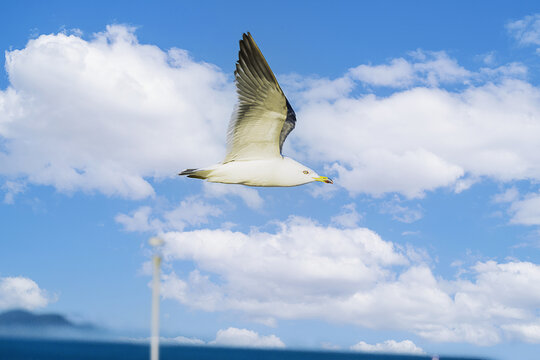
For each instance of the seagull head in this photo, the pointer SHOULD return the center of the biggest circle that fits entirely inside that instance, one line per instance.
(307, 175)
(294, 173)
(311, 176)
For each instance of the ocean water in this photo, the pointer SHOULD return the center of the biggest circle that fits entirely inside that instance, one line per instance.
(34, 349)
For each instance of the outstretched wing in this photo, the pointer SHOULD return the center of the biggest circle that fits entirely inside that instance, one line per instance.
(263, 117)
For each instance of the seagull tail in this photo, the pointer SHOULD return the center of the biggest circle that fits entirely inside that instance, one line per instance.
(196, 173)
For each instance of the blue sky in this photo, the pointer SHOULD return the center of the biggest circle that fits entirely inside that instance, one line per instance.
(425, 114)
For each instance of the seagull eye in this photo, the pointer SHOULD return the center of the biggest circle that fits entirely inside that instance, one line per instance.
(305, 172)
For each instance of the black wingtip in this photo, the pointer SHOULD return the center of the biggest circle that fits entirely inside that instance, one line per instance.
(187, 172)
(247, 37)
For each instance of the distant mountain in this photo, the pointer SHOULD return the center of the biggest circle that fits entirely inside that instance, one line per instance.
(23, 318)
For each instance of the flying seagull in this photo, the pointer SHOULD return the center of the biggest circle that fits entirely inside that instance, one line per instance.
(258, 128)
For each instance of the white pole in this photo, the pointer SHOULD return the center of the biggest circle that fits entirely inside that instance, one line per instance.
(154, 339)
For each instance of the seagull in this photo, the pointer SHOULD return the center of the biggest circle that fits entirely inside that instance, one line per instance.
(261, 121)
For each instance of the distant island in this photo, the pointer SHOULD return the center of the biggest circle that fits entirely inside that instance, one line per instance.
(26, 319)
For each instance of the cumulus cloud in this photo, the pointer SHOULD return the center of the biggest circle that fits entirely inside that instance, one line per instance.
(350, 275)
(246, 338)
(109, 113)
(389, 346)
(21, 292)
(428, 68)
(421, 139)
(289, 263)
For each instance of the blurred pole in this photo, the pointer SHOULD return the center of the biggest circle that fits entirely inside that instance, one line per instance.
(156, 262)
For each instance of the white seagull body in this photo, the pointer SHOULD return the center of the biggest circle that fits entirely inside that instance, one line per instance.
(258, 128)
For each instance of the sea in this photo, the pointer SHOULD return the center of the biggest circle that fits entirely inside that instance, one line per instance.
(48, 349)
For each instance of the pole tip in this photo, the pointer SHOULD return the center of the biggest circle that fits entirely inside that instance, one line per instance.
(155, 241)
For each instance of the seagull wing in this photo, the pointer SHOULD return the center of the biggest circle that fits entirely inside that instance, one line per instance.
(263, 117)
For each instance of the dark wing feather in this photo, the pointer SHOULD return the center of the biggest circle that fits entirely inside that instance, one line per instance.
(288, 126)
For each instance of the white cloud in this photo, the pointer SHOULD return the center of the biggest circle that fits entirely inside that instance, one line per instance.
(438, 68)
(399, 73)
(428, 68)
(313, 89)
(526, 211)
(527, 30)
(308, 271)
(12, 188)
(379, 171)
(185, 340)
(21, 292)
(197, 290)
(250, 196)
(348, 218)
(178, 340)
(400, 212)
(190, 212)
(464, 183)
(108, 113)
(523, 209)
(509, 195)
(510, 70)
(139, 220)
(422, 139)
(389, 346)
(487, 58)
(302, 260)
(246, 338)
(233, 337)
(529, 332)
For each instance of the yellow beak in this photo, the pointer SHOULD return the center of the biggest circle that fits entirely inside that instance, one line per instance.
(324, 179)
